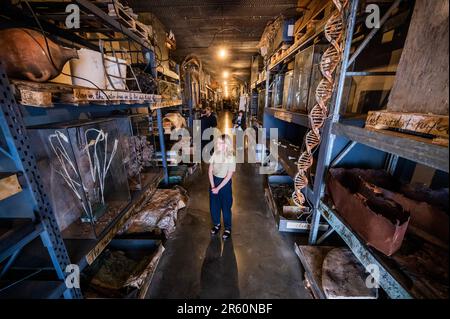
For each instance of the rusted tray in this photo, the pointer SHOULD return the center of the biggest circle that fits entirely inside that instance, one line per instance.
(428, 208)
(379, 221)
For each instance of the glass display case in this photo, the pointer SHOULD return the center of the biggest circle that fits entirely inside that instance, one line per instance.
(261, 104)
(277, 91)
(306, 77)
(82, 169)
(287, 90)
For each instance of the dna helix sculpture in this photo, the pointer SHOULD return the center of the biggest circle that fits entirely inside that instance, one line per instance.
(334, 33)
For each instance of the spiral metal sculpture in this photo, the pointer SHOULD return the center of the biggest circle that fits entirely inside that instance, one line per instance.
(334, 33)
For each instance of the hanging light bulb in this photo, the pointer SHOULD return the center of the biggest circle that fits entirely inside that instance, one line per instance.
(225, 74)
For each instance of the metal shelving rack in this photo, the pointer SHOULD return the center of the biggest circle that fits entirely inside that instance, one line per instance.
(397, 146)
(394, 145)
(24, 248)
(19, 150)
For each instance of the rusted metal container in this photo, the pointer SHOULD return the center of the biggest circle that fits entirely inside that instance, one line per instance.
(428, 208)
(379, 221)
(27, 54)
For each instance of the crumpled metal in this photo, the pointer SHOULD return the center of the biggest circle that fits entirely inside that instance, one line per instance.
(160, 212)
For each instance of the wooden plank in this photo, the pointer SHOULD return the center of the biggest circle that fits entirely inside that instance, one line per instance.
(421, 84)
(343, 276)
(312, 258)
(153, 266)
(36, 98)
(9, 186)
(435, 125)
(311, 10)
(414, 148)
(47, 94)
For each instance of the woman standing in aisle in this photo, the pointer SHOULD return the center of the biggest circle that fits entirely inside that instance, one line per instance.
(221, 169)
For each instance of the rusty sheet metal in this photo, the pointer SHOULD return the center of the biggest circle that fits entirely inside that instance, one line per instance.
(379, 221)
(428, 208)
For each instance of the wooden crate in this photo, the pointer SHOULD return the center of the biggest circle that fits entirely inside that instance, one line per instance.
(430, 125)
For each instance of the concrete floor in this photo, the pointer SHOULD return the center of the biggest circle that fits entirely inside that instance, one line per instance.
(259, 262)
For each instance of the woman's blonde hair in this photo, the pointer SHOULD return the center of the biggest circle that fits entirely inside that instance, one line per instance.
(228, 143)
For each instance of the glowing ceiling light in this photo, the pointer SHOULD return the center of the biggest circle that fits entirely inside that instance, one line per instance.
(225, 74)
(223, 53)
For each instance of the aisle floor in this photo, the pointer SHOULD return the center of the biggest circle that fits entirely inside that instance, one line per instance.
(259, 262)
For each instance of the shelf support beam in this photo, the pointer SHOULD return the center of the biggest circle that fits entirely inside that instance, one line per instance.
(327, 144)
(343, 153)
(374, 31)
(162, 146)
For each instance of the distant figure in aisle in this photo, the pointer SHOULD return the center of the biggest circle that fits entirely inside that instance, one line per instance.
(239, 121)
(207, 120)
(222, 165)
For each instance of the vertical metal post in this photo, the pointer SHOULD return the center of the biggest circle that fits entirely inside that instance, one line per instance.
(162, 146)
(266, 103)
(391, 163)
(188, 87)
(21, 150)
(328, 139)
(374, 31)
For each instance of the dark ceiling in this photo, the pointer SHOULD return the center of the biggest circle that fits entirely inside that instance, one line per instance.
(202, 27)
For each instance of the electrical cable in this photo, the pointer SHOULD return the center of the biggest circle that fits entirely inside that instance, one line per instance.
(49, 54)
(20, 280)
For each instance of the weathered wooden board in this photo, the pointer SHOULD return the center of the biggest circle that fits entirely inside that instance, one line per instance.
(48, 94)
(9, 186)
(435, 125)
(421, 84)
(343, 276)
(312, 258)
(35, 98)
(310, 10)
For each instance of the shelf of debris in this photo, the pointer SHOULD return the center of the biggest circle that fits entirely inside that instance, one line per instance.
(334, 273)
(306, 37)
(152, 223)
(107, 17)
(417, 149)
(418, 270)
(178, 174)
(288, 217)
(288, 155)
(48, 95)
(31, 289)
(85, 251)
(15, 234)
(288, 116)
(123, 270)
(125, 267)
